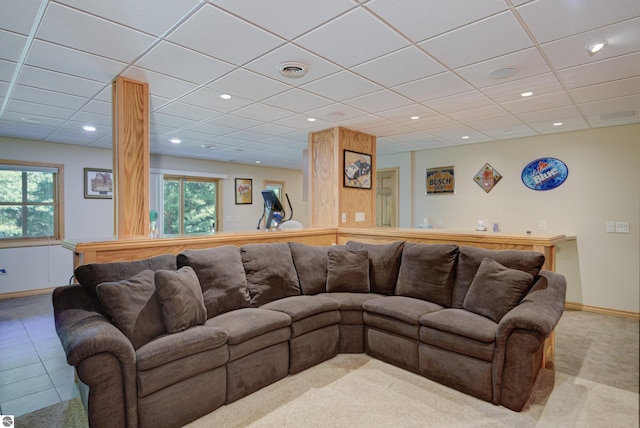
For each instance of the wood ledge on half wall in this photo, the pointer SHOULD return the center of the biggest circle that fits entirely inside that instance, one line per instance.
(112, 250)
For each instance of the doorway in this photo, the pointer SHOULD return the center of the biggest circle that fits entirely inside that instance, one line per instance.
(387, 197)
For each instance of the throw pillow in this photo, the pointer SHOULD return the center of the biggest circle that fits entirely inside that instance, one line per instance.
(310, 262)
(347, 271)
(221, 276)
(270, 272)
(427, 272)
(181, 299)
(496, 289)
(134, 307)
(384, 264)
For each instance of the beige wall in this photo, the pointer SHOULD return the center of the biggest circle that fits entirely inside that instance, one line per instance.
(602, 269)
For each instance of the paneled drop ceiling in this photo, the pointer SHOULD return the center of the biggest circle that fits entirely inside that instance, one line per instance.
(371, 66)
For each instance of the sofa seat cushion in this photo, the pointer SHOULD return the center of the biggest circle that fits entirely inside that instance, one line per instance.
(173, 358)
(384, 264)
(351, 301)
(244, 324)
(299, 307)
(463, 323)
(397, 314)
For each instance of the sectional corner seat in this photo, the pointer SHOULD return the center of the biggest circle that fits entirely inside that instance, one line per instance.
(165, 340)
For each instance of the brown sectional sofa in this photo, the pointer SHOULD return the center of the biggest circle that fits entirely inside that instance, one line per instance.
(166, 340)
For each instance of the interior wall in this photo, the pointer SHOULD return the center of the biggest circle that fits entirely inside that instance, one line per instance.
(33, 268)
(602, 269)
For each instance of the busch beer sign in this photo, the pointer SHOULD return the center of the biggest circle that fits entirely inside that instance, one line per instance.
(440, 180)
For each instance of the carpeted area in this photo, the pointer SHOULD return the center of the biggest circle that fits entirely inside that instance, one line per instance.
(67, 414)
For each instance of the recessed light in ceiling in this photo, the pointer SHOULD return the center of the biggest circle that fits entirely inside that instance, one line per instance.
(503, 73)
(465, 137)
(415, 117)
(258, 162)
(175, 140)
(526, 94)
(311, 119)
(30, 120)
(596, 47)
(558, 124)
(225, 96)
(89, 128)
(292, 70)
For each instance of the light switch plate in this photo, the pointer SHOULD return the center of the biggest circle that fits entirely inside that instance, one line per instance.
(360, 216)
(344, 217)
(611, 227)
(622, 227)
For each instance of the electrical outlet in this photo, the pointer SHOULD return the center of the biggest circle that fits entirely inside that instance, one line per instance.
(360, 216)
(542, 225)
(3, 271)
(622, 227)
(611, 227)
(344, 217)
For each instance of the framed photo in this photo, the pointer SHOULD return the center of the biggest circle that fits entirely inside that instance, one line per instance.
(98, 183)
(487, 177)
(441, 180)
(244, 191)
(357, 170)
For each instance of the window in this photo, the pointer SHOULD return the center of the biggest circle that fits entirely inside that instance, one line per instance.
(30, 203)
(189, 206)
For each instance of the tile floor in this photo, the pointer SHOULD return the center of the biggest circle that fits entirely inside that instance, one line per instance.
(34, 372)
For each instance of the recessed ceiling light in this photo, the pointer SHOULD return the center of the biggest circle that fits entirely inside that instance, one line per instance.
(208, 146)
(258, 162)
(89, 128)
(415, 117)
(503, 73)
(292, 70)
(175, 140)
(311, 119)
(596, 47)
(526, 94)
(465, 137)
(225, 96)
(558, 124)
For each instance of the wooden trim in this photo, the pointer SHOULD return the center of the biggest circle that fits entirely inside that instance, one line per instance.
(26, 293)
(575, 306)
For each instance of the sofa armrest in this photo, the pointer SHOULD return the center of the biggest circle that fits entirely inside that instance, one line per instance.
(540, 310)
(103, 356)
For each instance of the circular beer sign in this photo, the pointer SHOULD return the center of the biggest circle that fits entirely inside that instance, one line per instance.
(544, 174)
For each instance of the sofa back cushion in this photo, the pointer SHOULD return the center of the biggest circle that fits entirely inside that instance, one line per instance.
(470, 258)
(310, 262)
(384, 264)
(270, 272)
(90, 275)
(427, 272)
(347, 270)
(134, 307)
(221, 276)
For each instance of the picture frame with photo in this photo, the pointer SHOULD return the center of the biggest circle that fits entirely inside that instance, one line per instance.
(98, 183)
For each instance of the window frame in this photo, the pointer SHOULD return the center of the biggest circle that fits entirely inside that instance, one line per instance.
(182, 179)
(58, 207)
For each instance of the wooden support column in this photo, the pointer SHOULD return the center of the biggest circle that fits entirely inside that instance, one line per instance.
(131, 158)
(328, 197)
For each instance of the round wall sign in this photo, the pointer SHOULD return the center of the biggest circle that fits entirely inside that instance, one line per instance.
(544, 174)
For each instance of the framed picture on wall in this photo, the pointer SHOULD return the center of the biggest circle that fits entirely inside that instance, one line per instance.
(441, 181)
(357, 170)
(98, 183)
(244, 191)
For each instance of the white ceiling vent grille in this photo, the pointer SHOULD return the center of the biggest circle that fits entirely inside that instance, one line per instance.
(292, 70)
(618, 115)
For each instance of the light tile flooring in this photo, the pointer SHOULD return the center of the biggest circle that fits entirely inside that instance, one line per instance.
(34, 372)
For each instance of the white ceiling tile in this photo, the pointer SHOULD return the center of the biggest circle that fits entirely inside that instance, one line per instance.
(7, 68)
(431, 88)
(271, 129)
(606, 90)
(210, 99)
(399, 67)
(480, 113)
(621, 38)
(494, 36)
(286, 18)
(553, 19)
(601, 71)
(511, 90)
(48, 122)
(613, 107)
(100, 37)
(27, 108)
(389, 129)
(150, 16)
(538, 102)
(21, 17)
(352, 39)
(456, 132)
(335, 113)
(40, 78)
(432, 122)
(174, 122)
(404, 114)
(247, 84)
(159, 84)
(99, 107)
(170, 59)
(528, 62)
(509, 132)
(267, 65)
(549, 115)
(430, 18)
(93, 119)
(296, 100)
(570, 123)
(188, 111)
(211, 129)
(463, 101)
(73, 62)
(379, 101)
(11, 45)
(208, 31)
(342, 86)
(42, 96)
(263, 112)
(235, 122)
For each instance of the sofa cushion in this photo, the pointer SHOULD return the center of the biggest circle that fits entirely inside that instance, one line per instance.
(384, 264)
(221, 276)
(352, 301)
(311, 266)
(245, 324)
(181, 299)
(470, 258)
(134, 307)
(427, 272)
(347, 270)
(90, 275)
(270, 272)
(402, 308)
(299, 307)
(496, 289)
(462, 323)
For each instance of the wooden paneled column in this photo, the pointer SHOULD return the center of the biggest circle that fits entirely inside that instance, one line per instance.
(329, 199)
(131, 158)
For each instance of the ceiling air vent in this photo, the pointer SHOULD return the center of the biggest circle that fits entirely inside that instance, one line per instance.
(618, 115)
(292, 70)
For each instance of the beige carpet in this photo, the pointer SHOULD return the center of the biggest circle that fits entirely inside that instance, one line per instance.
(354, 390)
